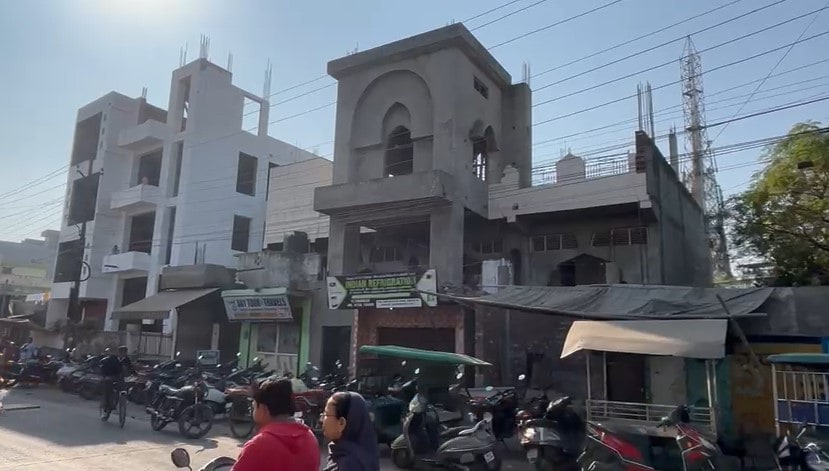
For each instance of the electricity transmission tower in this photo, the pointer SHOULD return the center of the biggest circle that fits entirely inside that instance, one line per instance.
(701, 177)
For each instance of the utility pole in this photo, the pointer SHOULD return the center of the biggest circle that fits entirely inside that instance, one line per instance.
(75, 312)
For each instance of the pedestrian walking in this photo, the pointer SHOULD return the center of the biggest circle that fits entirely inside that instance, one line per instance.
(346, 422)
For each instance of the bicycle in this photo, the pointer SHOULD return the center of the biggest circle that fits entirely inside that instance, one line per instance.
(121, 404)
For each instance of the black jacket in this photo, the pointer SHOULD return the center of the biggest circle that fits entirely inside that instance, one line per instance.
(112, 366)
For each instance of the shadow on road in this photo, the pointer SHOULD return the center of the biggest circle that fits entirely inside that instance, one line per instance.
(67, 420)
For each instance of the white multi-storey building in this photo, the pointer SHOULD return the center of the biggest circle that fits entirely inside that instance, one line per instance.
(148, 188)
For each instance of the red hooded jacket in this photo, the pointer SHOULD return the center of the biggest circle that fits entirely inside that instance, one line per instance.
(282, 446)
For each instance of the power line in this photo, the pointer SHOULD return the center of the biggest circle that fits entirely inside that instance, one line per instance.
(630, 41)
(796, 69)
(771, 71)
(730, 64)
(666, 43)
(664, 64)
(557, 23)
(539, 2)
(491, 10)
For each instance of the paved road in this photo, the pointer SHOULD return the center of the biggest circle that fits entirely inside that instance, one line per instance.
(64, 433)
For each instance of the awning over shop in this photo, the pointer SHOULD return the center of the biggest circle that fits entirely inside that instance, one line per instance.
(158, 306)
(624, 301)
(424, 355)
(264, 304)
(687, 338)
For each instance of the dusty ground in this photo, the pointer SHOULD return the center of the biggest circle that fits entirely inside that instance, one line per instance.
(64, 433)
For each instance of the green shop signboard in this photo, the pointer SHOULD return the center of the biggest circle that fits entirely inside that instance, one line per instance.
(385, 291)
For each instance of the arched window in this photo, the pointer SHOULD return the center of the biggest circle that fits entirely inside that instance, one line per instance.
(479, 158)
(399, 153)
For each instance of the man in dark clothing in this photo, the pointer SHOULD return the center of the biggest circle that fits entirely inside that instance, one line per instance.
(113, 369)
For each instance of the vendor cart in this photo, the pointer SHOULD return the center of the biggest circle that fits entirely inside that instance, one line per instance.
(701, 339)
(800, 385)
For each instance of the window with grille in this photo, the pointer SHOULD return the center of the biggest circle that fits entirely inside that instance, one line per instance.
(488, 246)
(601, 239)
(551, 242)
(386, 254)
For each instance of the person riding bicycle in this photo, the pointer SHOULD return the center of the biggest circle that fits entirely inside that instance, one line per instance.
(114, 369)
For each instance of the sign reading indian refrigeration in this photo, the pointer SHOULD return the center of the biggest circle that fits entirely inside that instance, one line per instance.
(385, 291)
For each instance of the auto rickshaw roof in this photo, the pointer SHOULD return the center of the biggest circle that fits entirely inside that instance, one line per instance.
(816, 359)
(407, 353)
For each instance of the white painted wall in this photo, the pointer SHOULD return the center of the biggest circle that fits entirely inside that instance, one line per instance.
(291, 200)
(207, 199)
(506, 200)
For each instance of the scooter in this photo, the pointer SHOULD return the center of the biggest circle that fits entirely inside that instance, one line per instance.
(790, 454)
(555, 440)
(471, 449)
(181, 459)
(608, 449)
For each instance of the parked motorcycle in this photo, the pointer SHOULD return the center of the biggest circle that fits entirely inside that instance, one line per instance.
(610, 449)
(501, 407)
(421, 442)
(791, 453)
(554, 440)
(181, 459)
(184, 405)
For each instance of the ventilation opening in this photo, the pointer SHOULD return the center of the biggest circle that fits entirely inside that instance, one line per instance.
(399, 153)
(241, 234)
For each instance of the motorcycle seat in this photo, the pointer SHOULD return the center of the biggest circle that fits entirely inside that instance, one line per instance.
(171, 391)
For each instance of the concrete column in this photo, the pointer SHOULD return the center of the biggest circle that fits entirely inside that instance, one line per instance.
(446, 244)
(343, 247)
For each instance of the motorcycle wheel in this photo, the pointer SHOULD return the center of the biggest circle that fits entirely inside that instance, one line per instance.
(241, 419)
(122, 409)
(156, 423)
(199, 416)
(402, 458)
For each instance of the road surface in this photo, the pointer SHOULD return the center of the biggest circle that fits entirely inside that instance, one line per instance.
(64, 433)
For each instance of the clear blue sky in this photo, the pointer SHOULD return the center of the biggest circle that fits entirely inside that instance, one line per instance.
(60, 55)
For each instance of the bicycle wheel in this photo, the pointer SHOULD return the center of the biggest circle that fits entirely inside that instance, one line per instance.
(241, 418)
(122, 409)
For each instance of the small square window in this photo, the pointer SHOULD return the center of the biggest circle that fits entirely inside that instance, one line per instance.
(480, 87)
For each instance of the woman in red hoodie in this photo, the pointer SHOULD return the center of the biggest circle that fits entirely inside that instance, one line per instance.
(282, 444)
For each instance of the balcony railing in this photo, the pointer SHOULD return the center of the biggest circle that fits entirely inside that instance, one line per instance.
(127, 262)
(141, 197)
(597, 168)
(643, 414)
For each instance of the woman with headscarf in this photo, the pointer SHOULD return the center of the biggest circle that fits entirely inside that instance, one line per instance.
(346, 422)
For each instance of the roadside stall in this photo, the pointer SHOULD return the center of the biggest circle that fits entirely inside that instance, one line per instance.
(700, 339)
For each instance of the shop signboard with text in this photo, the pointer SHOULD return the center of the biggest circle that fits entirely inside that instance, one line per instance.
(383, 290)
(257, 305)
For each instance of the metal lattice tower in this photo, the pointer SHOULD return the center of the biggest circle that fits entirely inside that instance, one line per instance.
(701, 178)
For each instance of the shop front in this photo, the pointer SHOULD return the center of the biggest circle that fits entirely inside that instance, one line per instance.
(275, 326)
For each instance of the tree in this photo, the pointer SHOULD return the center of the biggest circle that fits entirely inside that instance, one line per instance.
(784, 214)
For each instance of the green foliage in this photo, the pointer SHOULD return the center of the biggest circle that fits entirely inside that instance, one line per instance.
(784, 214)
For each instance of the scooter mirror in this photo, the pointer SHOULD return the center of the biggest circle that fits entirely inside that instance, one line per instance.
(522, 377)
(238, 354)
(417, 371)
(180, 458)
(403, 363)
(178, 354)
(459, 376)
(489, 389)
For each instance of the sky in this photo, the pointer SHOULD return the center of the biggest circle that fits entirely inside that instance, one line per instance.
(59, 55)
